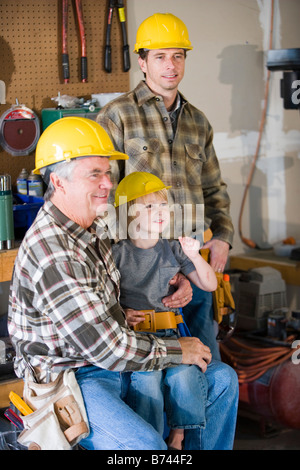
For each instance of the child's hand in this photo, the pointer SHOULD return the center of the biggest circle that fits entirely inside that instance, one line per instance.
(134, 317)
(190, 246)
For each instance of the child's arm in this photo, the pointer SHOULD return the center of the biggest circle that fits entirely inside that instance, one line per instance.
(204, 276)
(134, 317)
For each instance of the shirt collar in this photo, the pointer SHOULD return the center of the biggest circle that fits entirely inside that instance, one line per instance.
(177, 104)
(98, 227)
(144, 94)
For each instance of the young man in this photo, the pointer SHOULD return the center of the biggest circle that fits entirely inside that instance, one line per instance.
(63, 307)
(165, 135)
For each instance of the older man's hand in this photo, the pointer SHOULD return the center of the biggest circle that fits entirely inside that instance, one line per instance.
(195, 352)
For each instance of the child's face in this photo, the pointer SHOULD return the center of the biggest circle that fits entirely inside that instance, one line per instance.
(152, 214)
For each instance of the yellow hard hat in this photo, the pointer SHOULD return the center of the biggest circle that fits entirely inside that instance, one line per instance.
(73, 137)
(137, 184)
(162, 31)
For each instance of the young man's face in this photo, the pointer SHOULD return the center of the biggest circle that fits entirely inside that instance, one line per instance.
(164, 69)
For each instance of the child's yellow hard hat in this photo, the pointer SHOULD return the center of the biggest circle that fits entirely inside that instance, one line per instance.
(137, 184)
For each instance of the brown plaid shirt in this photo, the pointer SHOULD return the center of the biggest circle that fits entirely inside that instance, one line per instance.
(140, 126)
(63, 306)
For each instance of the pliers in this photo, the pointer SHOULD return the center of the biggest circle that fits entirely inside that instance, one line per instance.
(126, 58)
(65, 55)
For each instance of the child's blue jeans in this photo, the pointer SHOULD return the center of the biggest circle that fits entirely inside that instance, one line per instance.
(180, 391)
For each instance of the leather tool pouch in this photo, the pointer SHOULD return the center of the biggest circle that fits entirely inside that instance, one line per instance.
(59, 419)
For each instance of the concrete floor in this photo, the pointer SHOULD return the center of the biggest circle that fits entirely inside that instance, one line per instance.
(251, 436)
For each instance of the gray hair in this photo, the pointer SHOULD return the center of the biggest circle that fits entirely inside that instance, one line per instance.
(63, 169)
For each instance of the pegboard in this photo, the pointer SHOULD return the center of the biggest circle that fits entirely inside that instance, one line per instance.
(31, 62)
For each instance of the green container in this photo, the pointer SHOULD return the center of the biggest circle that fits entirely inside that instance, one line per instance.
(50, 115)
(6, 213)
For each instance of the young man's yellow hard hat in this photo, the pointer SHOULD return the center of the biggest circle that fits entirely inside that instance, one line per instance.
(162, 31)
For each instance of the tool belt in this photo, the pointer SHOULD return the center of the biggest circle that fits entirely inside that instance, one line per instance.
(223, 303)
(59, 420)
(222, 298)
(158, 321)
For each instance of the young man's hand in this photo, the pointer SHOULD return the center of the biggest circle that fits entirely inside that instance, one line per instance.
(183, 294)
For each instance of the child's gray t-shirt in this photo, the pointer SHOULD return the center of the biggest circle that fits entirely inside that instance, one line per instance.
(146, 273)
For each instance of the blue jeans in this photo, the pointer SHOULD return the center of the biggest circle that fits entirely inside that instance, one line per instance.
(114, 425)
(221, 411)
(199, 317)
(181, 391)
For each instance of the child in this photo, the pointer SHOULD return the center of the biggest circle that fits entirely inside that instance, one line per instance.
(147, 263)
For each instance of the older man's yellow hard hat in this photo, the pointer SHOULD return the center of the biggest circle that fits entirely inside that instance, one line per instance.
(73, 137)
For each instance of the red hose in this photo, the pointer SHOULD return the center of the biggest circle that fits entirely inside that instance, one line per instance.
(83, 40)
(245, 240)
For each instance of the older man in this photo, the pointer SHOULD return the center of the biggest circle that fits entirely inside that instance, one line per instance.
(64, 311)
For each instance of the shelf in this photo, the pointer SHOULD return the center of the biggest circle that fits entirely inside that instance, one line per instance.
(289, 269)
(13, 385)
(7, 259)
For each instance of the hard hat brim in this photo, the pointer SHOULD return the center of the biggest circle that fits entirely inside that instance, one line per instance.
(111, 156)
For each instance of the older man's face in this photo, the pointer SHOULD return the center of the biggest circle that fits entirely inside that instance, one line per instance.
(87, 192)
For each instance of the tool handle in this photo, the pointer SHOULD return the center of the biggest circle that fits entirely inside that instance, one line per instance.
(65, 55)
(14, 418)
(107, 59)
(83, 69)
(20, 404)
(182, 327)
(126, 58)
(65, 66)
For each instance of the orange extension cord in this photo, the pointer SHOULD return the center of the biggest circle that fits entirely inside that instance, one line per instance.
(251, 362)
(247, 241)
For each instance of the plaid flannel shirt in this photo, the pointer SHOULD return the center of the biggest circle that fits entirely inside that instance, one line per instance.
(63, 306)
(140, 126)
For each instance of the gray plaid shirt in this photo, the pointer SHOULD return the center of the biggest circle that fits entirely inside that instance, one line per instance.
(63, 306)
(140, 126)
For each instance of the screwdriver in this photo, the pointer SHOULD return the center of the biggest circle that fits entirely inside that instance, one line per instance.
(14, 418)
(20, 404)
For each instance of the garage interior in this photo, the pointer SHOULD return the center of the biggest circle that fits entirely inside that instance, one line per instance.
(250, 95)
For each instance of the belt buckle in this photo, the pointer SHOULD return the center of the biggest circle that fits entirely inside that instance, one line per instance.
(149, 324)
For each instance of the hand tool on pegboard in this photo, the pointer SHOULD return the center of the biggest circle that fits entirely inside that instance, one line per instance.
(119, 4)
(65, 54)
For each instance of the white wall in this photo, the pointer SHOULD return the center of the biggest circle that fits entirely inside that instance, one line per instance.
(225, 78)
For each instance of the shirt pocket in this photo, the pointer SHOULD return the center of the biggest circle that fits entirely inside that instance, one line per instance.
(144, 155)
(195, 157)
(166, 273)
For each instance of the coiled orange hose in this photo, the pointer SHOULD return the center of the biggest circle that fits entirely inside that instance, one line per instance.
(251, 362)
